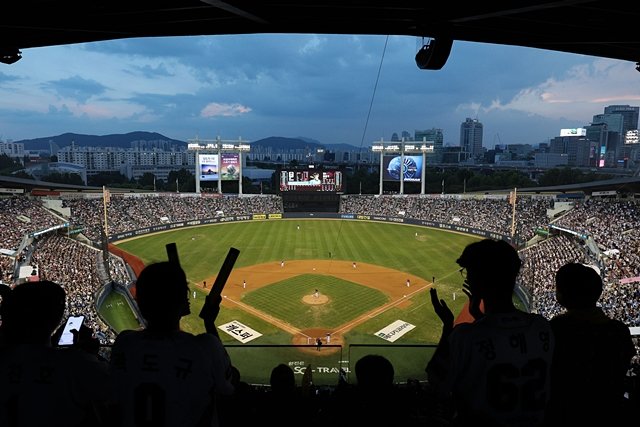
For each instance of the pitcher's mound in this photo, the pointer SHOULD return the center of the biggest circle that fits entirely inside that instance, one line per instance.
(310, 299)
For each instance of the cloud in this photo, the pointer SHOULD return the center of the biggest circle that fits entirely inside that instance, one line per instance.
(75, 87)
(584, 90)
(215, 109)
(333, 88)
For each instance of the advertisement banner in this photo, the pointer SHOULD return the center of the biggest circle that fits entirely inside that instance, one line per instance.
(239, 331)
(409, 166)
(230, 166)
(395, 330)
(208, 167)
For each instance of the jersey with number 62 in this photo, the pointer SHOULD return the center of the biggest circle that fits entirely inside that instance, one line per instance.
(500, 365)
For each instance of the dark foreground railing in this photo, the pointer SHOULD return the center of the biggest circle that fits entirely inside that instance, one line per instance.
(255, 362)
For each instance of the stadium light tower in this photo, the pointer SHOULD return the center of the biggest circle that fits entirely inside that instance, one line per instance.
(403, 147)
(240, 147)
(382, 148)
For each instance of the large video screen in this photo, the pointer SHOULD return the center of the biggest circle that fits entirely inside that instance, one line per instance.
(310, 180)
(210, 166)
(393, 166)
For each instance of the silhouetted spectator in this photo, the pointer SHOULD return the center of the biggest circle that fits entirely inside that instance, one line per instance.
(165, 376)
(239, 408)
(282, 380)
(367, 402)
(284, 404)
(495, 370)
(40, 384)
(592, 354)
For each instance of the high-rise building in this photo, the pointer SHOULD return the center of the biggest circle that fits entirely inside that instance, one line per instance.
(437, 137)
(471, 131)
(577, 148)
(615, 138)
(629, 118)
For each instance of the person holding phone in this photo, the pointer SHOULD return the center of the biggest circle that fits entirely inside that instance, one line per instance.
(164, 376)
(73, 324)
(41, 383)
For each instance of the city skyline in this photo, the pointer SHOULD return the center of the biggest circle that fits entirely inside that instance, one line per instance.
(313, 86)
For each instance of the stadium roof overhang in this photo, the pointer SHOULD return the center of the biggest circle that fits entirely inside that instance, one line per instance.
(595, 28)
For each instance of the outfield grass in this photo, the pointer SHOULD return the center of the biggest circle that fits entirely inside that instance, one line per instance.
(202, 249)
(430, 253)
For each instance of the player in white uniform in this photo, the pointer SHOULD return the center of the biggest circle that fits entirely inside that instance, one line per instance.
(165, 376)
(496, 369)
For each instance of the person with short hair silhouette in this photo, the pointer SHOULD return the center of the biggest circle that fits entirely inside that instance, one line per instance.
(284, 405)
(367, 403)
(495, 370)
(592, 354)
(374, 373)
(165, 376)
(42, 384)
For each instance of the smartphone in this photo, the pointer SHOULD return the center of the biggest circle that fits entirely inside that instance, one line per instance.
(73, 322)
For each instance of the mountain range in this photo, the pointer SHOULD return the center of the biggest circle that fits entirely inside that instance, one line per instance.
(124, 141)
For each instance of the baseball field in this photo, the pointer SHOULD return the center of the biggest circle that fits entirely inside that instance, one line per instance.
(361, 287)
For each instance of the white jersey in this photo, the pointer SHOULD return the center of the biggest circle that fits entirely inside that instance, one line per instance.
(500, 369)
(169, 381)
(42, 386)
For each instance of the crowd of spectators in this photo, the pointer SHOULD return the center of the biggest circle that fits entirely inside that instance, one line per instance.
(615, 227)
(20, 216)
(74, 266)
(133, 213)
(492, 214)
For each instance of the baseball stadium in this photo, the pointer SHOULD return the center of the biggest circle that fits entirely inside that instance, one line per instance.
(356, 280)
(312, 277)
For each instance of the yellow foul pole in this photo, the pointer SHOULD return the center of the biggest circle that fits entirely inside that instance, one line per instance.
(106, 196)
(513, 214)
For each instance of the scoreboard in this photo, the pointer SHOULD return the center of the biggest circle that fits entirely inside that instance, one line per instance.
(310, 180)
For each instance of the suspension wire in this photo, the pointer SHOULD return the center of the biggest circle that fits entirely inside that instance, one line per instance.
(364, 131)
(373, 95)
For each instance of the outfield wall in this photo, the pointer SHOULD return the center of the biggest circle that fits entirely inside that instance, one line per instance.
(306, 215)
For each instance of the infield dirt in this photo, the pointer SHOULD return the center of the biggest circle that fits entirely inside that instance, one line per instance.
(390, 282)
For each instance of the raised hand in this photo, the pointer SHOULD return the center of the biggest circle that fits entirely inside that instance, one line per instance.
(85, 339)
(442, 310)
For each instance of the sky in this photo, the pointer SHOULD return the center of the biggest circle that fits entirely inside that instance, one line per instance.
(331, 88)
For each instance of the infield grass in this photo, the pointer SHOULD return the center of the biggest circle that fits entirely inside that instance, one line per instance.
(337, 311)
